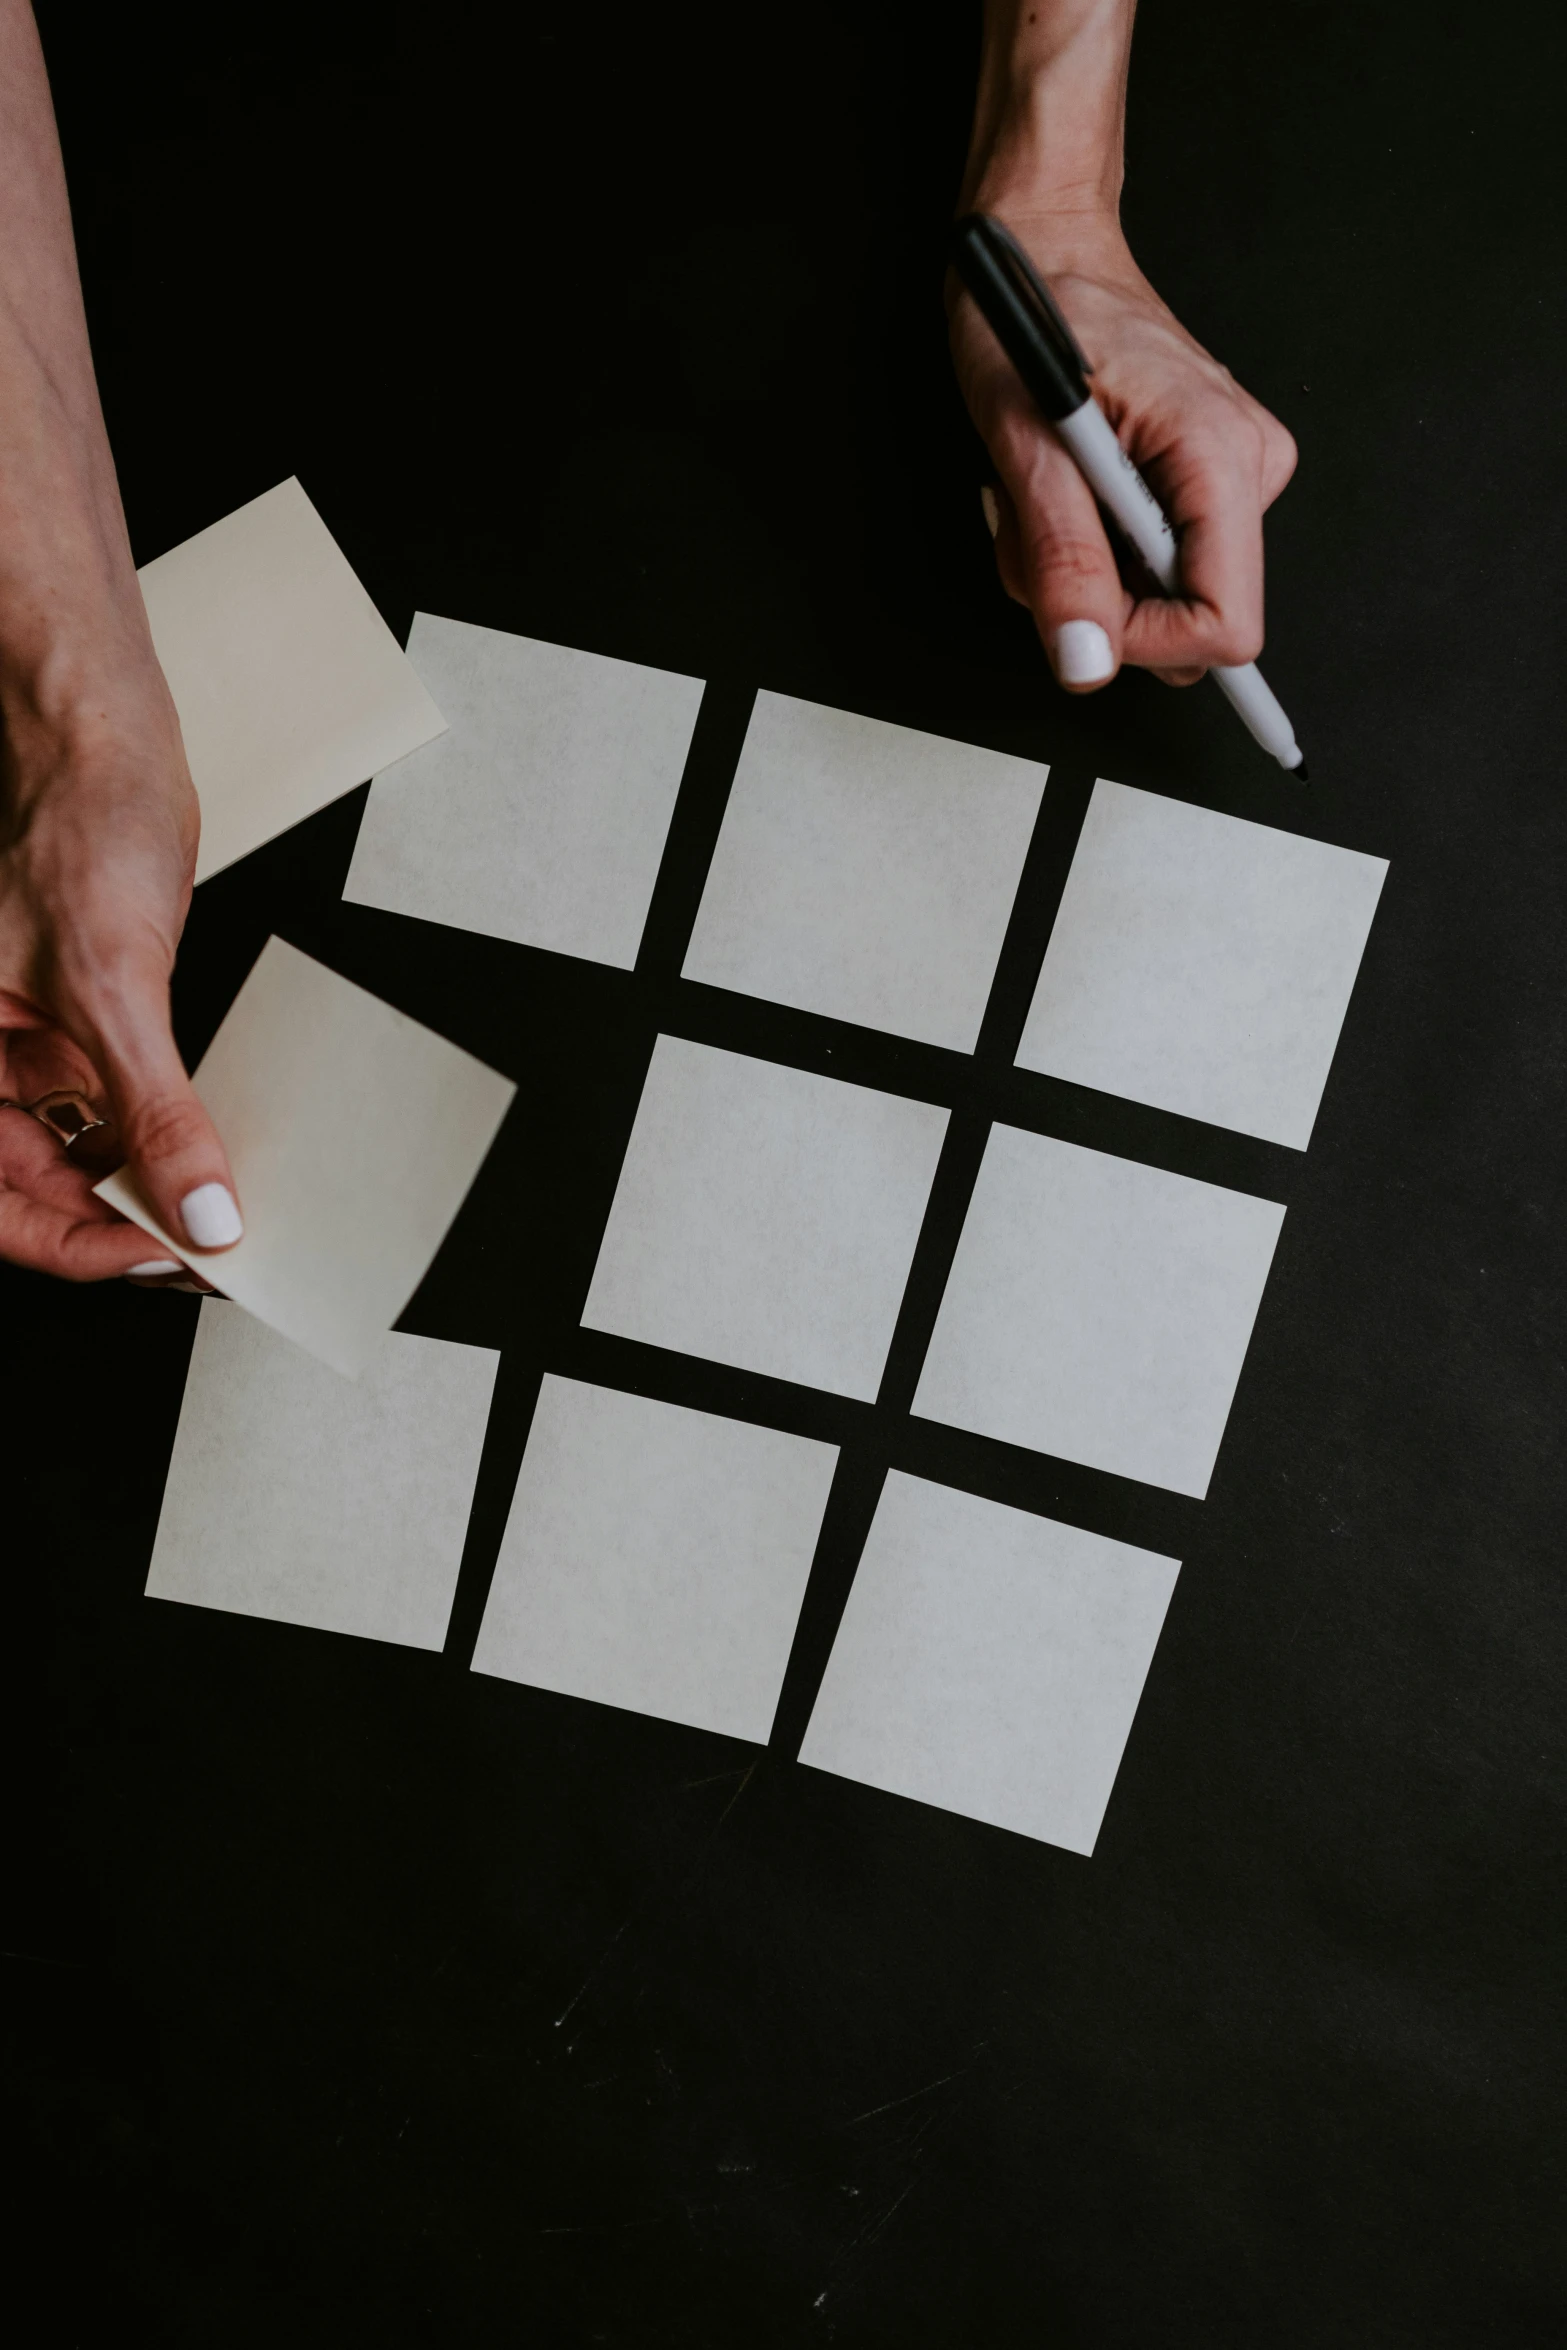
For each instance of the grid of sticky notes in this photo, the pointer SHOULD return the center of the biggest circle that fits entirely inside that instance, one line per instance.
(656, 1558)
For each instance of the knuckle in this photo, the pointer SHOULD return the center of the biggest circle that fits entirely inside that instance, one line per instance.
(1234, 643)
(1210, 442)
(1232, 451)
(1063, 566)
(1191, 637)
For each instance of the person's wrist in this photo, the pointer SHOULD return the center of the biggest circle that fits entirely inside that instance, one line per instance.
(62, 654)
(1048, 137)
(1065, 224)
(86, 710)
(69, 662)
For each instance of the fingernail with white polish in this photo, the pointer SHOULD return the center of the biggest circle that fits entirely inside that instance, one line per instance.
(987, 499)
(154, 1265)
(1083, 654)
(210, 1218)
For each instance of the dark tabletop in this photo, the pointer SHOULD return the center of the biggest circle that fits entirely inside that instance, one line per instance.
(353, 1997)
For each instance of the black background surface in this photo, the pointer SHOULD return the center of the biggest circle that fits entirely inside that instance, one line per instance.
(355, 1997)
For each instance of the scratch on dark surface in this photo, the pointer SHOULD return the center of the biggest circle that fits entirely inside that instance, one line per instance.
(626, 1924)
(893, 2102)
(750, 1773)
(861, 2241)
(922, 2131)
(881, 2226)
(601, 1961)
(875, 2225)
(42, 1957)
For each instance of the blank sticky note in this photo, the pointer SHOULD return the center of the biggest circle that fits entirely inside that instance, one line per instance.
(1098, 1310)
(989, 1662)
(290, 687)
(865, 872)
(353, 1133)
(655, 1558)
(1201, 964)
(541, 814)
(311, 1499)
(765, 1218)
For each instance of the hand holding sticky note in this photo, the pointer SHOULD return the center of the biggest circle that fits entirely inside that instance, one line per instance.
(354, 1135)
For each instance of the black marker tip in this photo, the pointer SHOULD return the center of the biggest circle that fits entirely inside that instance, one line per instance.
(1301, 773)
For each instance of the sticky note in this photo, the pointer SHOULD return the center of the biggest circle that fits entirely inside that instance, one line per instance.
(540, 816)
(865, 871)
(765, 1217)
(989, 1662)
(655, 1558)
(311, 1499)
(353, 1133)
(290, 687)
(1201, 963)
(1098, 1310)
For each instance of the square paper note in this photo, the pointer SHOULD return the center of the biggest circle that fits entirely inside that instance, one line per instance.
(765, 1218)
(1201, 964)
(541, 815)
(1098, 1310)
(353, 1134)
(655, 1558)
(865, 872)
(289, 685)
(989, 1662)
(301, 1496)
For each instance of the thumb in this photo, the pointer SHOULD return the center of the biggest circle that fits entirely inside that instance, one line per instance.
(1064, 564)
(171, 1146)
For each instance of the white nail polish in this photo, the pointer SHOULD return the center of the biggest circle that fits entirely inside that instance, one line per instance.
(987, 499)
(210, 1218)
(154, 1265)
(1083, 654)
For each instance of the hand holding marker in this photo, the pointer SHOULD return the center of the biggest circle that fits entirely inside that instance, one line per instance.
(1017, 307)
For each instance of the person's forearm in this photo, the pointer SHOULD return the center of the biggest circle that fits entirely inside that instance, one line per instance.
(70, 608)
(1049, 119)
(98, 816)
(1046, 159)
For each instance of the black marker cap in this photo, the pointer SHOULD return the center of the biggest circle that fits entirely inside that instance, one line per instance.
(1018, 309)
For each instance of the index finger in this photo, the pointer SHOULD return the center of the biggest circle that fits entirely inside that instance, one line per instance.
(1213, 498)
(50, 1220)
